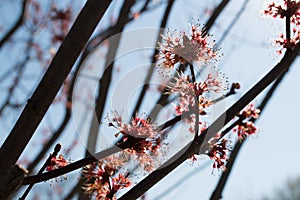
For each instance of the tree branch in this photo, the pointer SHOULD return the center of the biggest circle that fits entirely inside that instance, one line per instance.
(214, 16)
(280, 68)
(163, 99)
(217, 193)
(153, 60)
(194, 146)
(18, 23)
(47, 89)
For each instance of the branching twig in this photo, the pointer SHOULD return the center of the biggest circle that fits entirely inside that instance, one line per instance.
(163, 99)
(153, 60)
(280, 68)
(93, 158)
(217, 193)
(47, 163)
(214, 16)
(20, 68)
(192, 147)
(18, 23)
(47, 89)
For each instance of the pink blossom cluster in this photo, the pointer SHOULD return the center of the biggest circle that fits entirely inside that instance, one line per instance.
(219, 146)
(57, 162)
(184, 86)
(287, 9)
(218, 153)
(103, 178)
(140, 127)
(192, 97)
(149, 143)
(250, 111)
(182, 47)
(190, 93)
(247, 128)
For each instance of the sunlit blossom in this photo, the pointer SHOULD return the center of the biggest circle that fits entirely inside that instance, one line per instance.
(218, 152)
(141, 127)
(103, 179)
(290, 9)
(182, 47)
(57, 162)
(250, 111)
(245, 129)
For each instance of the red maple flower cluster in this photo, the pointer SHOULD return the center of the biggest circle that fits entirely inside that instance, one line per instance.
(182, 47)
(185, 87)
(190, 92)
(250, 111)
(290, 9)
(102, 179)
(57, 162)
(149, 143)
(140, 127)
(192, 48)
(218, 153)
(247, 128)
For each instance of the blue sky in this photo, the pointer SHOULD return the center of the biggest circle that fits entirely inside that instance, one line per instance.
(266, 161)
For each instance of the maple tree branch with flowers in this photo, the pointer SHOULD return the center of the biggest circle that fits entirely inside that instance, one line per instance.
(196, 146)
(217, 193)
(142, 142)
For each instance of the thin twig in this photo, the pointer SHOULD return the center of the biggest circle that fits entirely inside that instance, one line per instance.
(47, 163)
(93, 158)
(190, 149)
(217, 193)
(18, 23)
(49, 86)
(217, 11)
(153, 60)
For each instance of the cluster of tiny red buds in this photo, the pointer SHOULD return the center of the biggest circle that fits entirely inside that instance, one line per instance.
(250, 111)
(140, 127)
(119, 182)
(188, 92)
(218, 153)
(57, 162)
(290, 9)
(192, 92)
(146, 145)
(102, 179)
(149, 142)
(245, 129)
(194, 47)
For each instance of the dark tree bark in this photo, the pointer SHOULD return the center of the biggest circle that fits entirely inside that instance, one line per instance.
(46, 91)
